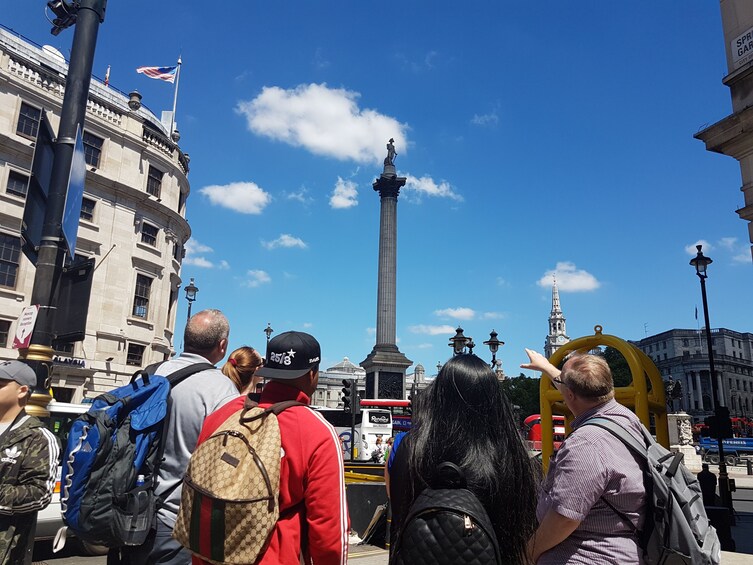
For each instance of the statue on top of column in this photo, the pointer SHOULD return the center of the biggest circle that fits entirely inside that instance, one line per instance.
(391, 153)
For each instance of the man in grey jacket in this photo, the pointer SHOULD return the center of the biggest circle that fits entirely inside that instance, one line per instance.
(205, 339)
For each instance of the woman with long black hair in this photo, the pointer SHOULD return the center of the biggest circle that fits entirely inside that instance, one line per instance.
(464, 418)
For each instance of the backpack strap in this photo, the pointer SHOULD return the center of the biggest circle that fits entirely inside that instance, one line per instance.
(275, 409)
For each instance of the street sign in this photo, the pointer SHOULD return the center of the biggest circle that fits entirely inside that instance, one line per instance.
(39, 188)
(25, 327)
(74, 195)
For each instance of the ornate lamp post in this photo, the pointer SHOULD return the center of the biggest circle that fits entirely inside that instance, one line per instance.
(493, 344)
(460, 342)
(269, 331)
(721, 413)
(191, 291)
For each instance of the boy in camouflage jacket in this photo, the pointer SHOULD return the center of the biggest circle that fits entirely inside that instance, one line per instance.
(28, 463)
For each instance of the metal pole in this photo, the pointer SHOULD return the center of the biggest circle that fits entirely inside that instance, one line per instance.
(724, 493)
(90, 14)
(190, 303)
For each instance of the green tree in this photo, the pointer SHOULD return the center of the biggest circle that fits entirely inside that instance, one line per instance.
(619, 366)
(523, 392)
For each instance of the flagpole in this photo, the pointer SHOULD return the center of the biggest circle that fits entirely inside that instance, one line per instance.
(175, 99)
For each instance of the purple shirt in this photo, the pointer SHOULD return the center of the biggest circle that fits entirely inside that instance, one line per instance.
(589, 465)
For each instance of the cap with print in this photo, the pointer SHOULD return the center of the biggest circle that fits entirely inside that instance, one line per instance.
(19, 372)
(290, 355)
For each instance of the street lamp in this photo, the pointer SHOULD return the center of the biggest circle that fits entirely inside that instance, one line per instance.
(268, 330)
(721, 413)
(191, 291)
(493, 344)
(460, 342)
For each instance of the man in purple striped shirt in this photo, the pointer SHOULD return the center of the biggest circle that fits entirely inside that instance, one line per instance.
(591, 471)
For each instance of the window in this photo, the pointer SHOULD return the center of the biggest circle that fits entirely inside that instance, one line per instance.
(10, 252)
(87, 209)
(176, 251)
(28, 121)
(64, 348)
(141, 296)
(685, 342)
(181, 201)
(149, 234)
(92, 149)
(173, 298)
(135, 355)
(18, 184)
(154, 182)
(4, 332)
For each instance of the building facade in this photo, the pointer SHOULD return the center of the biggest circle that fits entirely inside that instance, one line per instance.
(132, 221)
(682, 355)
(733, 135)
(557, 325)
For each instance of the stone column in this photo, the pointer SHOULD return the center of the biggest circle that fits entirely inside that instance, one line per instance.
(691, 395)
(385, 366)
(699, 389)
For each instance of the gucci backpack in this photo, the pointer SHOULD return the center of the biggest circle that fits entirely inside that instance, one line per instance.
(447, 525)
(230, 499)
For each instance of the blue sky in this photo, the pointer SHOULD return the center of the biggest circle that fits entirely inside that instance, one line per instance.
(536, 137)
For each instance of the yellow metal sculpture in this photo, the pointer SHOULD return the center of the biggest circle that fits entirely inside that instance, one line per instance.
(644, 395)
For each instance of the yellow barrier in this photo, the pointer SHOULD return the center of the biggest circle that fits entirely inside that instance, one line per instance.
(635, 396)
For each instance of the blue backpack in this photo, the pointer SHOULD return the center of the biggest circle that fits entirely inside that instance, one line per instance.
(119, 440)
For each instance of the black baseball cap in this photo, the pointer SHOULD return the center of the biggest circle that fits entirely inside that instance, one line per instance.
(290, 355)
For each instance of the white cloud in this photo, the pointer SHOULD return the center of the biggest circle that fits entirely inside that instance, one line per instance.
(492, 316)
(256, 278)
(743, 257)
(502, 282)
(243, 197)
(691, 249)
(569, 278)
(325, 121)
(345, 194)
(424, 346)
(456, 313)
(285, 240)
(432, 330)
(490, 119)
(370, 331)
(728, 242)
(307, 325)
(195, 256)
(301, 196)
(426, 186)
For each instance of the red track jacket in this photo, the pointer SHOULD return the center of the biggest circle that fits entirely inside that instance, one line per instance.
(311, 477)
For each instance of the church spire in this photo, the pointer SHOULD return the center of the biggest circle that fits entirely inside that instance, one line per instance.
(557, 331)
(556, 308)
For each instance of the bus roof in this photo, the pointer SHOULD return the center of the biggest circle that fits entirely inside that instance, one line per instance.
(384, 402)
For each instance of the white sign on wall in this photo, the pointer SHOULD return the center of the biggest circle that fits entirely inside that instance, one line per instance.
(742, 48)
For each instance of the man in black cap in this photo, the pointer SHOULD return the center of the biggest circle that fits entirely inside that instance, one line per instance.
(28, 463)
(313, 525)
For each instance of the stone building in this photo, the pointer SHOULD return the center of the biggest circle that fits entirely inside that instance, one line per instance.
(329, 391)
(733, 135)
(132, 220)
(682, 355)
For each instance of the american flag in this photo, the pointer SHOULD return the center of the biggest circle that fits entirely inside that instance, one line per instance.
(161, 73)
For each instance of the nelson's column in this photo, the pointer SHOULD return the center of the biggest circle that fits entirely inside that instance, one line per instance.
(385, 366)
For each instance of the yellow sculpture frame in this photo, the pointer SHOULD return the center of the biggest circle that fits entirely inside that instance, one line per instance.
(636, 396)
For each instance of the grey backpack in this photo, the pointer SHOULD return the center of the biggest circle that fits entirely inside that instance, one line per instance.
(676, 530)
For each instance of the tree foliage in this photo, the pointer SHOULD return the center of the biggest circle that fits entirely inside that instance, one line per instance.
(619, 366)
(523, 392)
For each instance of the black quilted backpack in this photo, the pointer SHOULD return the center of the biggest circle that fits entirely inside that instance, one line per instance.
(447, 526)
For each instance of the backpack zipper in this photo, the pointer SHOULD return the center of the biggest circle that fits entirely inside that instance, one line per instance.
(468, 525)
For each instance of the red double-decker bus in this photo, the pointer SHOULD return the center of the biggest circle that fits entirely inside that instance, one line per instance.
(532, 430)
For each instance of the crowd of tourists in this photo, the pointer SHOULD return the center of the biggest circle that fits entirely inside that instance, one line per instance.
(588, 508)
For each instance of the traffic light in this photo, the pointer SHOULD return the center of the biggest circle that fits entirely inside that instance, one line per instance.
(346, 395)
(351, 402)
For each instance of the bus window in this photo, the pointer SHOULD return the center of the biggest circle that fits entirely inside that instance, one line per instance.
(375, 429)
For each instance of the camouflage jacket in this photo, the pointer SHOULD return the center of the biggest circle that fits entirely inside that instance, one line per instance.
(28, 469)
